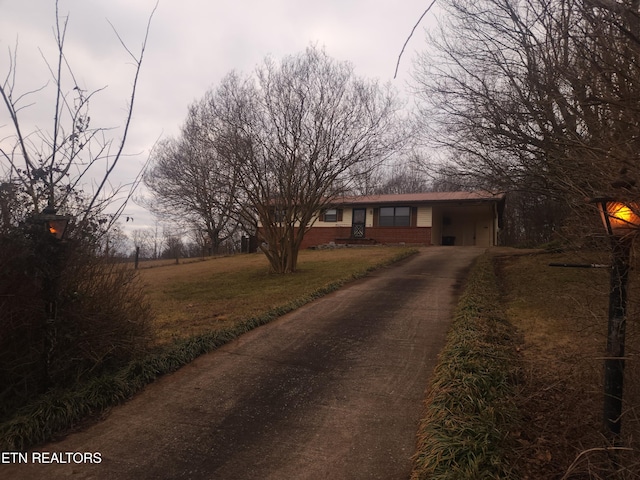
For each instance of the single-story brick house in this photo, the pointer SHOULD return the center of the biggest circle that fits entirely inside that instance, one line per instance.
(435, 218)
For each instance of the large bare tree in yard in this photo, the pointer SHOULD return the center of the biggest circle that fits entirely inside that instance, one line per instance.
(536, 96)
(297, 135)
(191, 182)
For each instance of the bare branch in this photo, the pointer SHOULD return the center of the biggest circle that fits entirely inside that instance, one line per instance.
(138, 62)
(395, 74)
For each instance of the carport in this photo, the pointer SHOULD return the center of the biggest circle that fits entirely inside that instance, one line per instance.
(467, 222)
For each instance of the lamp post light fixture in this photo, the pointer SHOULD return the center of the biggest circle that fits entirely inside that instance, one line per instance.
(621, 221)
(54, 224)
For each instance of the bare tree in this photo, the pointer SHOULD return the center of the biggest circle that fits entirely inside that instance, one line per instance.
(406, 175)
(295, 135)
(192, 183)
(174, 245)
(143, 240)
(53, 167)
(536, 96)
(115, 244)
(366, 177)
(10, 206)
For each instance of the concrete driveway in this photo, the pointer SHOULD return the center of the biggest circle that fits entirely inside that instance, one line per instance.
(332, 390)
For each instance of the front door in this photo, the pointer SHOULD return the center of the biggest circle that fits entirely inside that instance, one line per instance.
(358, 222)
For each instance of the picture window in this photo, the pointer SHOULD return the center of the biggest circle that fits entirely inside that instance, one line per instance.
(395, 217)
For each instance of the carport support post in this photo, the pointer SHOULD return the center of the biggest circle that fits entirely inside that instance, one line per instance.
(614, 360)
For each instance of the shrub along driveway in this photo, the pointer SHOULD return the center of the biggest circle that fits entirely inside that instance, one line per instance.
(334, 389)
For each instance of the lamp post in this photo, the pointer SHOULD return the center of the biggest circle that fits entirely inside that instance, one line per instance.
(621, 221)
(54, 228)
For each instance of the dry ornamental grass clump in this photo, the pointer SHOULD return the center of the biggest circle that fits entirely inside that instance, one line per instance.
(470, 410)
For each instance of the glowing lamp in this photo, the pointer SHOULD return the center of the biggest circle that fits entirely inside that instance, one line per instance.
(619, 219)
(55, 225)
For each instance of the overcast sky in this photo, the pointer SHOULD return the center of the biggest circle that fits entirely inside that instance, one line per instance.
(192, 45)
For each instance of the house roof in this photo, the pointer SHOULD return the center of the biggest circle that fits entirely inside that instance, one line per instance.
(429, 197)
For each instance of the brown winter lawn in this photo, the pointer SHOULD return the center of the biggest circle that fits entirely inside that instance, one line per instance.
(199, 296)
(561, 314)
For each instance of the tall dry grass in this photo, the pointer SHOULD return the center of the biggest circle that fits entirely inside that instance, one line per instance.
(562, 315)
(67, 315)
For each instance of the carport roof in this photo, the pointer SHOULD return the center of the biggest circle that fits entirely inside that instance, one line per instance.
(430, 197)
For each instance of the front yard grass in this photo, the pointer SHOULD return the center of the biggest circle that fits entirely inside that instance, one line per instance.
(216, 294)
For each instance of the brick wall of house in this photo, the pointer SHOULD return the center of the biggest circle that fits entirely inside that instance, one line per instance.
(388, 235)
(324, 235)
(413, 235)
